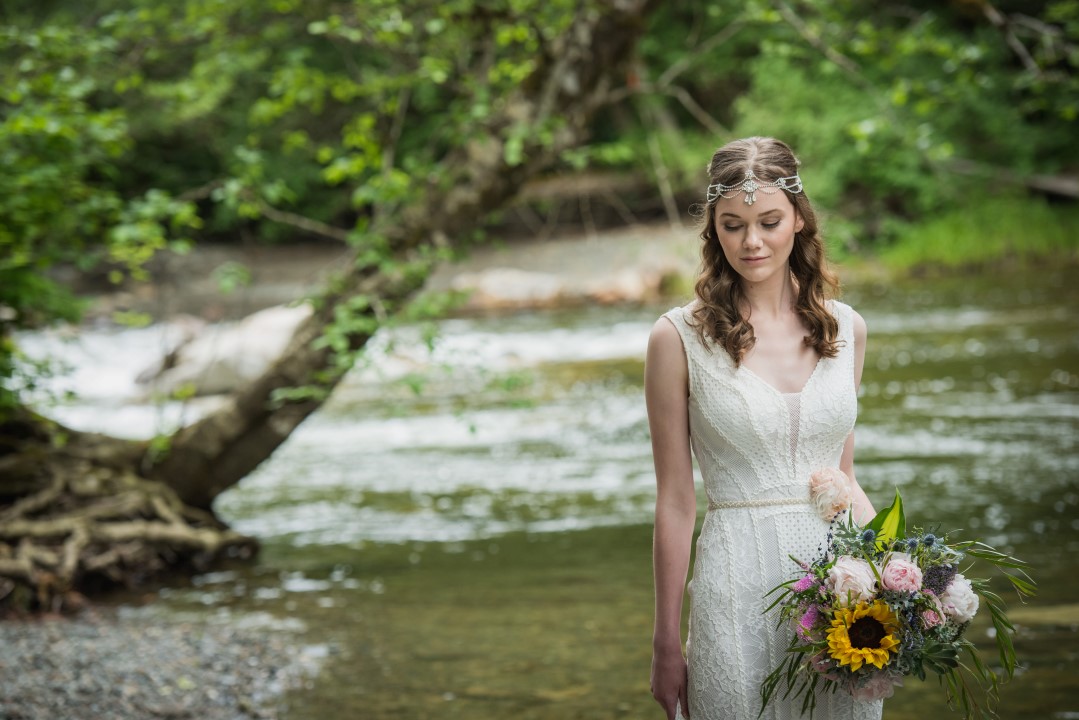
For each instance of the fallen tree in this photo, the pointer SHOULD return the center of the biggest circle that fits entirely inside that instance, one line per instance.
(78, 508)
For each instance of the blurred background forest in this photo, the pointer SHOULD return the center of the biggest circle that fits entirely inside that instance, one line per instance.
(485, 205)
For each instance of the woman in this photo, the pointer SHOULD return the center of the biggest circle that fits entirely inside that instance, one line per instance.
(759, 375)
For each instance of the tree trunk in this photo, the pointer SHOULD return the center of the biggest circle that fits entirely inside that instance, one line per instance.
(93, 505)
(215, 453)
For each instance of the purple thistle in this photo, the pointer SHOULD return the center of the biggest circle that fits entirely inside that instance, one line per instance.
(938, 577)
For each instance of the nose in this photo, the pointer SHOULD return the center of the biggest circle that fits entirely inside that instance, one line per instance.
(752, 239)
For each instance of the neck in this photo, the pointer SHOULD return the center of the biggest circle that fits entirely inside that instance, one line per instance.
(771, 298)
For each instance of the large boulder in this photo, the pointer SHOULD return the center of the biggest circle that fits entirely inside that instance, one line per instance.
(224, 356)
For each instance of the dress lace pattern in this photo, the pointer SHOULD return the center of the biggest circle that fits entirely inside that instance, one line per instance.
(756, 448)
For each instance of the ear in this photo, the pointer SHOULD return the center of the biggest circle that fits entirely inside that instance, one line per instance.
(799, 223)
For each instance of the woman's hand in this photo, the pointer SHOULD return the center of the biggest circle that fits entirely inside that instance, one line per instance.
(670, 676)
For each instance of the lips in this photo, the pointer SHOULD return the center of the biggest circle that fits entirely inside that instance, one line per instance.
(753, 259)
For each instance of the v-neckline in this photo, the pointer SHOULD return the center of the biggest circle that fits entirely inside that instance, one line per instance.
(742, 366)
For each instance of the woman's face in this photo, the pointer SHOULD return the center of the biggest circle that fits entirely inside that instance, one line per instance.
(757, 239)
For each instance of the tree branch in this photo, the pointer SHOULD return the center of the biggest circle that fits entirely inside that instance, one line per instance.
(315, 227)
(217, 451)
(1001, 23)
(687, 60)
(824, 48)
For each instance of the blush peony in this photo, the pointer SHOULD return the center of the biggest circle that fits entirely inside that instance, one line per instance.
(959, 600)
(852, 579)
(900, 573)
(831, 492)
(878, 687)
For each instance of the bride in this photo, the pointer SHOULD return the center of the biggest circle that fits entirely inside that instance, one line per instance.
(758, 376)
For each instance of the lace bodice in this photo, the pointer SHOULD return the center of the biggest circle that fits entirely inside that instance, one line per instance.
(752, 441)
(756, 448)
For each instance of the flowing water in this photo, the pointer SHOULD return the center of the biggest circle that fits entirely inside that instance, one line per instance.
(464, 533)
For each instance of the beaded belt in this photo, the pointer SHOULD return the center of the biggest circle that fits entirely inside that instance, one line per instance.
(763, 502)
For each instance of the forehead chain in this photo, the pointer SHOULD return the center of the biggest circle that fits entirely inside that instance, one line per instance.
(751, 184)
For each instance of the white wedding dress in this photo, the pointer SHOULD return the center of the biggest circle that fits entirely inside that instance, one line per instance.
(756, 448)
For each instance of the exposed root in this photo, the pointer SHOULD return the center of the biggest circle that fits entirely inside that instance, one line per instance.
(85, 529)
(76, 516)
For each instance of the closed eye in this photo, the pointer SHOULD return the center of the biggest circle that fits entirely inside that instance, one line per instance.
(772, 225)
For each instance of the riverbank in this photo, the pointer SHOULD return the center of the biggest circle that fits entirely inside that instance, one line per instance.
(633, 264)
(107, 664)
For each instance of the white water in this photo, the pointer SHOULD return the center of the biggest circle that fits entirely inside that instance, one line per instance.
(569, 448)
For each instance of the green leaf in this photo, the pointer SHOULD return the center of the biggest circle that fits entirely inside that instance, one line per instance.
(890, 522)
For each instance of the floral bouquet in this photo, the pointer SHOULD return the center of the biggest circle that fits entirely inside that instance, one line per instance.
(881, 603)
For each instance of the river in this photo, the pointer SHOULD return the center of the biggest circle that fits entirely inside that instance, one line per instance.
(464, 533)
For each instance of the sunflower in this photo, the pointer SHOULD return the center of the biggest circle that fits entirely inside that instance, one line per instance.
(864, 634)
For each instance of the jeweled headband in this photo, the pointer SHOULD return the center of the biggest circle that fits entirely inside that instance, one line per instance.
(751, 184)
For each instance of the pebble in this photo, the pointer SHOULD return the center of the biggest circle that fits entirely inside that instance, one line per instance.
(97, 666)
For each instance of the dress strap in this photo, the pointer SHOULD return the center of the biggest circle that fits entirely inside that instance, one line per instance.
(690, 342)
(844, 314)
(677, 316)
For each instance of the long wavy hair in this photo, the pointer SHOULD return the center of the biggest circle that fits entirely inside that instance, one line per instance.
(719, 288)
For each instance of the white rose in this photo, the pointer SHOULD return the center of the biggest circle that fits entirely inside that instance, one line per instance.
(959, 600)
(854, 577)
(831, 492)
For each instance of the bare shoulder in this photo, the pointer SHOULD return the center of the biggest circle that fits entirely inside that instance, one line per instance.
(666, 365)
(664, 340)
(861, 330)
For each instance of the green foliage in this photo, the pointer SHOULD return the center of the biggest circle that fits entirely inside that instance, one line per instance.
(60, 151)
(127, 126)
(880, 102)
(986, 229)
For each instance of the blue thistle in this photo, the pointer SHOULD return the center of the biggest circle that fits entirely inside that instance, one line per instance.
(869, 536)
(929, 539)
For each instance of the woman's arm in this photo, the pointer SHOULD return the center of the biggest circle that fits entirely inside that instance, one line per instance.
(666, 391)
(863, 509)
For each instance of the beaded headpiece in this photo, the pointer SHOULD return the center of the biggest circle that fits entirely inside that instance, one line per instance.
(751, 184)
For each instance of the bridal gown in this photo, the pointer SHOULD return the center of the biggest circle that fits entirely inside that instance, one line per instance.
(756, 448)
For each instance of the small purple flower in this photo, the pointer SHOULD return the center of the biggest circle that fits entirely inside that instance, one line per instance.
(805, 583)
(809, 619)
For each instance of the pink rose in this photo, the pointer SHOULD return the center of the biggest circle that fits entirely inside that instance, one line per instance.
(831, 492)
(852, 577)
(931, 618)
(878, 687)
(901, 574)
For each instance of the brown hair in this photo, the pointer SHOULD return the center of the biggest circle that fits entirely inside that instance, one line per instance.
(719, 289)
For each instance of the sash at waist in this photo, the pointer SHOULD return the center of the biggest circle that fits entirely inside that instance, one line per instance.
(763, 502)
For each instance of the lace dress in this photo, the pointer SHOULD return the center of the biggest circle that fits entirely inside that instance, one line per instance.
(756, 448)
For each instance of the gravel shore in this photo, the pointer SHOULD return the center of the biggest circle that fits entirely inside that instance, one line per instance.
(101, 665)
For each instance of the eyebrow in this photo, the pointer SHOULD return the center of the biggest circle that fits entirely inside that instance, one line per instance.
(769, 212)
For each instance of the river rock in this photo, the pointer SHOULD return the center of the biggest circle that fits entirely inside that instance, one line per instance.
(510, 288)
(503, 287)
(224, 356)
